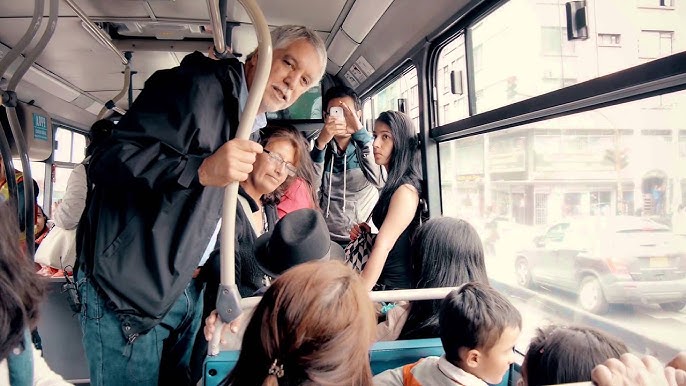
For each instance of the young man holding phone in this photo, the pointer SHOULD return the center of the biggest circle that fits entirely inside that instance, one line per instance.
(348, 177)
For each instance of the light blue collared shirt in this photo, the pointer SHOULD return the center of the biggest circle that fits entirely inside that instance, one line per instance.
(260, 122)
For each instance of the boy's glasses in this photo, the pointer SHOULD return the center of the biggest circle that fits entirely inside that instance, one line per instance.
(278, 161)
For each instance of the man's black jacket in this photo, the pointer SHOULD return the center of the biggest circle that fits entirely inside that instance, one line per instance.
(149, 220)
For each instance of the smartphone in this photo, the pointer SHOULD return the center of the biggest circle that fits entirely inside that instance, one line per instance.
(337, 112)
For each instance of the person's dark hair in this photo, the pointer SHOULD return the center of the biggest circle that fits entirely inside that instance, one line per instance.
(304, 165)
(474, 317)
(99, 132)
(313, 326)
(404, 164)
(560, 354)
(447, 252)
(20, 287)
(340, 92)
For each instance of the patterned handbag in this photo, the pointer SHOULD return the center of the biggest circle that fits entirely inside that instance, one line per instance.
(358, 251)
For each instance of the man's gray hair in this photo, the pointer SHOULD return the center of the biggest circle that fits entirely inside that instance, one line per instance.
(285, 35)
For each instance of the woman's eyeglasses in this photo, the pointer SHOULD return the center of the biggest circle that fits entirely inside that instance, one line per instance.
(278, 161)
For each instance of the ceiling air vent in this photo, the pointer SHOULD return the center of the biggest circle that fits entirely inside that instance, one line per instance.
(161, 30)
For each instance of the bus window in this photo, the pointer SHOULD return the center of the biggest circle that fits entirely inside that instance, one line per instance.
(308, 106)
(616, 176)
(451, 83)
(367, 115)
(69, 151)
(521, 49)
(70, 146)
(402, 91)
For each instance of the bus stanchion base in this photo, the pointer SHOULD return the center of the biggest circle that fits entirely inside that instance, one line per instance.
(228, 308)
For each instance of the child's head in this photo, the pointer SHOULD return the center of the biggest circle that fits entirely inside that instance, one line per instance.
(479, 328)
(559, 354)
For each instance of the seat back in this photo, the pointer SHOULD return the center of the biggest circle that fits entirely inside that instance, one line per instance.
(383, 356)
(392, 354)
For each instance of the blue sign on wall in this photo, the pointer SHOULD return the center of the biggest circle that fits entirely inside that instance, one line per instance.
(40, 127)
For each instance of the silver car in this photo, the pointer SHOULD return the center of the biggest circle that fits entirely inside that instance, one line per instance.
(608, 259)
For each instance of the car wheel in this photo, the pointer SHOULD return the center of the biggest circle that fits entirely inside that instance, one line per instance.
(591, 296)
(673, 306)
(523, 273)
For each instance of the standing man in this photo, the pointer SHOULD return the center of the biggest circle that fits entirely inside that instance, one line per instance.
(156, 202)
(343, 159)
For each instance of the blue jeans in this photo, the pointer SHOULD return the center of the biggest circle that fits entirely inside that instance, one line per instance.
(160, 356)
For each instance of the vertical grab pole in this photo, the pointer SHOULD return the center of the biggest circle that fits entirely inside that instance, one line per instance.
(6, 153)
(9, 99)
(228, 298)
(15, 126)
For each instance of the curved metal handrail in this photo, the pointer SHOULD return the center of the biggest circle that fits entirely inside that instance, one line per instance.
(127, 82)
(38, 49)
(384, 296)
(228, 299)
(5, 63)
(30, 33)
(15, 126)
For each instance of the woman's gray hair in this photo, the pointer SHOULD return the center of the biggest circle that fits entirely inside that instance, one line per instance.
(285, 35)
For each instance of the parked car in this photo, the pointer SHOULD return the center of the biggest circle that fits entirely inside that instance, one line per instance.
(608, 259)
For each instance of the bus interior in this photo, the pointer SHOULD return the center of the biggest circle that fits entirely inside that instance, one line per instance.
(536, 118)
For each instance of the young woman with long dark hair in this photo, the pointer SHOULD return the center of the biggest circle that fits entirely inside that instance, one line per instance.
(396, 214)
(447, 252)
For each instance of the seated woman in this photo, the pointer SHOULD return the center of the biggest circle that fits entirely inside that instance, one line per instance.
(283, 149)
(314, 326)
(447, 253)
(396, 214)
(561, 354)
(256, 212)
(21, 292)
(296, 192)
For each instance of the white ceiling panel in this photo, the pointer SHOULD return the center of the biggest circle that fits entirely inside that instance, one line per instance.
(187, 9)
(58, 108)
(93, 8)
(320, 15)
(407, 24)
(244, 40)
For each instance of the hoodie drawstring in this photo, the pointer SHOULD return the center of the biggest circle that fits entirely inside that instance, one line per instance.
(345, 182)
(328, 200)
(345, 179)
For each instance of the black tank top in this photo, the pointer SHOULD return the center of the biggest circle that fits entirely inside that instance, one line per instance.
(397, 271)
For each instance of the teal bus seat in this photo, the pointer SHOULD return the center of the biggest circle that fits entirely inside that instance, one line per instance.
(383, 356)
(218, 367)
(392, 354)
